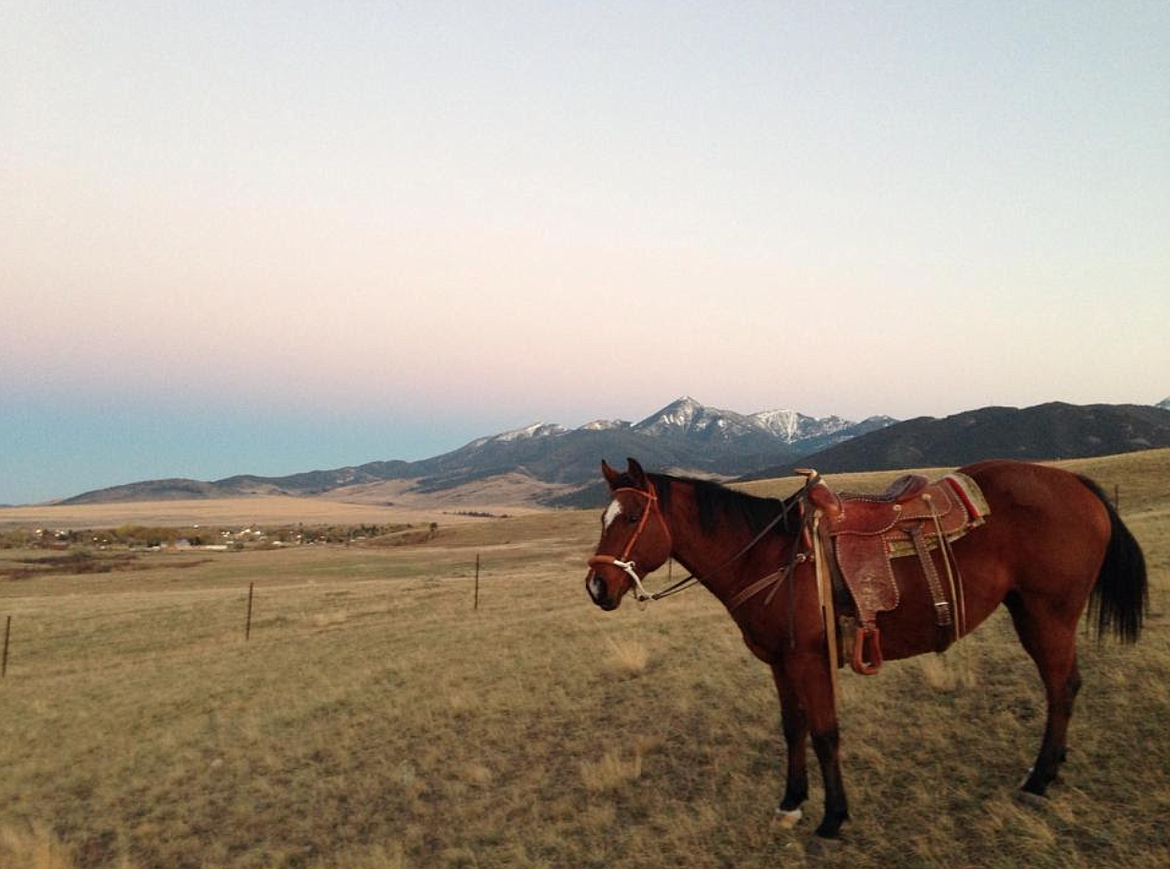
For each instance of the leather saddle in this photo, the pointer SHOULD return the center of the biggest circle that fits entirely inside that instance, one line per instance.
(862, 533)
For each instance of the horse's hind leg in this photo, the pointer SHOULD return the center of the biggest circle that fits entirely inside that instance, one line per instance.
(1049, 637)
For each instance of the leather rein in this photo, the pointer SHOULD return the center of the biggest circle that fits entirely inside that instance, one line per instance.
(652, 506)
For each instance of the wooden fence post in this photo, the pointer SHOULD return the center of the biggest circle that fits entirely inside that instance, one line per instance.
(4, 662)
(248, 622)
(476, 606)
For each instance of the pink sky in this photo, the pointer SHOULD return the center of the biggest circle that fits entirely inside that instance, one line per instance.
(534, 212)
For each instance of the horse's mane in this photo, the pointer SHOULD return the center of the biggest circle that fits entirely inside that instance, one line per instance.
(715, 501)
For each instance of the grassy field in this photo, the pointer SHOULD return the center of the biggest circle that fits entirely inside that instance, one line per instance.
(262, 510)
(375, 720)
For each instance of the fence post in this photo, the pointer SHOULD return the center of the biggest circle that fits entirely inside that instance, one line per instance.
(248, 622)
(4, 662)
(476, 606)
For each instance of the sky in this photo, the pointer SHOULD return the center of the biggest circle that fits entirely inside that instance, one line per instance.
(271, 237)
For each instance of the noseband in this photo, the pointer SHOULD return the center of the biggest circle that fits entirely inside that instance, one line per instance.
(621, 562)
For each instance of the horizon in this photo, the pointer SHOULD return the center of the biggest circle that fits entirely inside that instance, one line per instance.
(258, 240)
(487, 435)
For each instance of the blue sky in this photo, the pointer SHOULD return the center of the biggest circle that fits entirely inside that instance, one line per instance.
(275, 236)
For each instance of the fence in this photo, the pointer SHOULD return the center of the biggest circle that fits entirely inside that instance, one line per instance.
(252, 602)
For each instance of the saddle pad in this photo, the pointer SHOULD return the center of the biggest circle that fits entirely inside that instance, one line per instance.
(971, 496)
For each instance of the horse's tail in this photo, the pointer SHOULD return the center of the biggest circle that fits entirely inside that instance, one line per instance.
(1120, 598)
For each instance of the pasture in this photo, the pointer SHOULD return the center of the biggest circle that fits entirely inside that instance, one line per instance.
(375, 720)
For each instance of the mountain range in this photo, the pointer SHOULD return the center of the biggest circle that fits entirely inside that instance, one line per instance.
(558, 466)
(685, 436)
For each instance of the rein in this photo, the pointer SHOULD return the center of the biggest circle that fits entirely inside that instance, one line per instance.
(643, 596)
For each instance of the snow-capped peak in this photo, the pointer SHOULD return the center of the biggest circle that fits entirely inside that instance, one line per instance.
(791, 426)
(783, 423)
(680, 413)
(605, 425)
(688, 417)
(536, 430)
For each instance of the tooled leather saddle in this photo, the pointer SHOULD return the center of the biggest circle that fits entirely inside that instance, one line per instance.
(861, 534)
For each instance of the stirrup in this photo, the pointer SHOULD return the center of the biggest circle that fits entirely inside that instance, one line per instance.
(859, 663)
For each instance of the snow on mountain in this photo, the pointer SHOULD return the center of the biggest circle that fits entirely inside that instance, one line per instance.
(688, 417)
(1164, 403)
(791, 426)
(692, 420)
(679, 414)
(784, 424)
(536, 430)
(873, 423)
(604, 425)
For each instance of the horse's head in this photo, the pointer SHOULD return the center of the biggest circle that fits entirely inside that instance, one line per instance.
(634, 537)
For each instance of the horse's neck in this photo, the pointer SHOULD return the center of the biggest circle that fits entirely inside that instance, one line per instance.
(712, 555)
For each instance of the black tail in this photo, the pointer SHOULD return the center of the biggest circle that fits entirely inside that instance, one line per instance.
(1121, 596)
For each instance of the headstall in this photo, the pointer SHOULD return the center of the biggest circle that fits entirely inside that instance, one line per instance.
(640, 593)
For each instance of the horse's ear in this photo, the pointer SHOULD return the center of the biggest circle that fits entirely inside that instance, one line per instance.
(636, 473)
(611, 476)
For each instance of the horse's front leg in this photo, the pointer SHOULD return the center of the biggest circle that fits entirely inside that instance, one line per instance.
(796, 736)
(810, 673)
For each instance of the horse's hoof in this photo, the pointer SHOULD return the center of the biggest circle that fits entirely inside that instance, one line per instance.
(788, 820)
(1027, 777)
(1033, 784)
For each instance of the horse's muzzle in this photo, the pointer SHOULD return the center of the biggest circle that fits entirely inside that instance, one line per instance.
(595, 585)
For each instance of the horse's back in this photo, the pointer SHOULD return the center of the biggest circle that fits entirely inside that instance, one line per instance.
(1039, 499)
(1046, 526)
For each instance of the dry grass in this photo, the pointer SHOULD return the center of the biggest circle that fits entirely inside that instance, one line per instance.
(262, 510)
(374, 720)
(33, 847)
(610, 771)
(946, 675)
(627, 657)
(511, 492)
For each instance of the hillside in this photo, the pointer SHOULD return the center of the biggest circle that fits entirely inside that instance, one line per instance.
(1046, 431)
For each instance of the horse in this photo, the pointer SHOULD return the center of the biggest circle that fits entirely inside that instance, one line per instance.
(1052, 543)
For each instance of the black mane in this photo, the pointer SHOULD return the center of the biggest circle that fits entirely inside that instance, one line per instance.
(716, 501)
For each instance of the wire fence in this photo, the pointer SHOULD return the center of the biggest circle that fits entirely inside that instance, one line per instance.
(204, 613)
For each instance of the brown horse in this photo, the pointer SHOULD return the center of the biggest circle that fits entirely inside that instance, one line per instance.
(1051, 542)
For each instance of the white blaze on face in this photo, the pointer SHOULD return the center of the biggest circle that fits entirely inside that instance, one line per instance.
(611, 512)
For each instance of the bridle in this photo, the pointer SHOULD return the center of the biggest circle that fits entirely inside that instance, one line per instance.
(772, 580)
(640, 593)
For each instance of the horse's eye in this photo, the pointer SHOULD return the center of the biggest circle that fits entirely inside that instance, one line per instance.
(633, 517)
